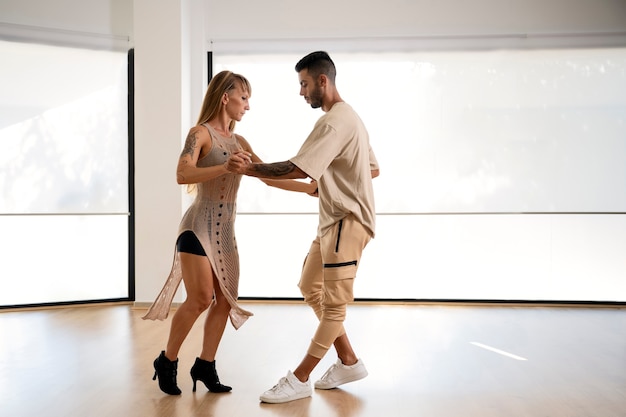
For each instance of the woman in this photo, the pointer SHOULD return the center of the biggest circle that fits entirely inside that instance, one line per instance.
(206, 257)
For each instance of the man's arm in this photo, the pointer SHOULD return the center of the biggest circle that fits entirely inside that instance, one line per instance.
(277, 170)
(241, 163)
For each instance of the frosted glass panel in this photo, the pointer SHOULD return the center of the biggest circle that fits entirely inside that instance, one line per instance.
(272, 249)
(50, 259)
(539, 257)
(493, 131)
(468, 142)
(63, 174)
(63, 130)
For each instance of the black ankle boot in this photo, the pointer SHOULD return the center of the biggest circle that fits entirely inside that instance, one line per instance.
(166, 370)
(205, 371)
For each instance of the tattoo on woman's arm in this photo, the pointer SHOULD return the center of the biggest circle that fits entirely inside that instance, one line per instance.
(190, 145)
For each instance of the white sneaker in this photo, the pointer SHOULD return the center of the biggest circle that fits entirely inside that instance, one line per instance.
(289, 388)
(339, 374)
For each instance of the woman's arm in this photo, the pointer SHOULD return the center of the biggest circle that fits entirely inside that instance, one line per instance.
(373, 164)
(198, 142)
(292, 185)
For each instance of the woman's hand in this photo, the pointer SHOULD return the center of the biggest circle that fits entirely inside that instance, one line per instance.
(312, 189)
(238, 162)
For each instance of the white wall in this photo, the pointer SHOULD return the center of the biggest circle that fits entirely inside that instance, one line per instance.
(97, 23)
(353, 24)
(278, 19)
(168, 60)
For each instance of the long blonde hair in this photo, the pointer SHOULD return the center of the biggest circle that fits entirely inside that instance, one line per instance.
(221, 83)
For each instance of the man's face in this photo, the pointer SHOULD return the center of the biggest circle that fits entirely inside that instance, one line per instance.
(310, 89)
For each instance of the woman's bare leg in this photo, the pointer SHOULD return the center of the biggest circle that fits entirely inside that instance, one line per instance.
(198, 279)
(214, 324)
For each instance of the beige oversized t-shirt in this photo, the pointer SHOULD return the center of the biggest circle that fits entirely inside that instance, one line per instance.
(337, 154)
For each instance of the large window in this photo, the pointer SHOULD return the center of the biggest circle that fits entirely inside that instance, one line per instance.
(64, 205)
(502, 173)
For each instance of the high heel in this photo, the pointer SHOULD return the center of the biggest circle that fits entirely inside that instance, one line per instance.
(166, 370)
(205, 371)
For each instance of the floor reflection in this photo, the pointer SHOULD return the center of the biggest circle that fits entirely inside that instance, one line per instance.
(336, 403)
(343, 403)
(298, 408)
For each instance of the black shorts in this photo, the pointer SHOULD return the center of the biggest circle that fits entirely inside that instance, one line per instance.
(188, 242)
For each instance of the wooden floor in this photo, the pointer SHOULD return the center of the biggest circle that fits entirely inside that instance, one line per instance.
(423, 360)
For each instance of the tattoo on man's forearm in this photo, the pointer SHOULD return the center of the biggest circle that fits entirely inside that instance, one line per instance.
(276, 169)
(190, 145)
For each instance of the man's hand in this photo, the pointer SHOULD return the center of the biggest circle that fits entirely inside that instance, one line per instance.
(238, 162)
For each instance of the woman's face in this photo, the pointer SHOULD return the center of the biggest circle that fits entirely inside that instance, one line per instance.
(237, 103)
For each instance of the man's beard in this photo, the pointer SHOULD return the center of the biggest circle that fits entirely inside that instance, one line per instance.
(316, 98)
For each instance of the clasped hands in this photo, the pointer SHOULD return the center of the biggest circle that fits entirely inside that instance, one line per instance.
(238, 162)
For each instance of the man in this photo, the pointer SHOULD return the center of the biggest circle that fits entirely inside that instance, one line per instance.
(337, 155)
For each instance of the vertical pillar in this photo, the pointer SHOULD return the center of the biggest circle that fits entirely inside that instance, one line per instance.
(166, 46)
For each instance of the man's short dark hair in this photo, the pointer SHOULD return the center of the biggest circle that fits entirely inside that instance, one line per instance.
(317, 63)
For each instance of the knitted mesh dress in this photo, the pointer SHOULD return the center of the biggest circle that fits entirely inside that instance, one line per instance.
(211, 217)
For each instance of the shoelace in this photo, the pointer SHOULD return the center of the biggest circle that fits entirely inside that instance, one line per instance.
(327, 373)
(280, 384)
